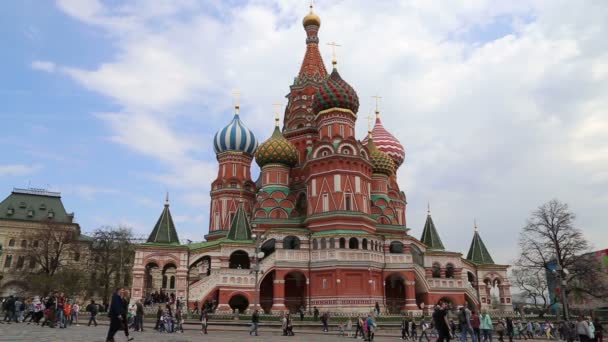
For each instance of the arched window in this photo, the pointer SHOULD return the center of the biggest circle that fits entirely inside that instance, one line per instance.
(76, 256)
(291, 242)
(164, 282)
(172, 282)
(11, 243)
(332, 243)
(417, 257)
(353, 243)
(449, 271)
(342, 243)
(396, 247)
(23, 243)
(364, 244)
(32, 262)
(239, 260)
(323, 243)
(436, 270)
(35, 244)
(315, 244)
(8, 261)
(20, 261)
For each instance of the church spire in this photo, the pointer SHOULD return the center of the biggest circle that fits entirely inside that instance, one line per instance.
(478, 253)
(312, 65)
(239, 227)
(430, 237)
(164, 231)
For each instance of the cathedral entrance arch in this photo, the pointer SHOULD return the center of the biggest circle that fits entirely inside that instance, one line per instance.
(267, 291)
(152, 279)
(239, 302)
(295, 291)
(394, 289)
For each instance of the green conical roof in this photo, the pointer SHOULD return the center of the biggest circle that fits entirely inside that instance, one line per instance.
(239, 227)
(430, 237)
(478, 253)
(164, 231)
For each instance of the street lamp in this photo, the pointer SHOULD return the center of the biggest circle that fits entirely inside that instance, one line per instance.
(559, 273)
(256, 266)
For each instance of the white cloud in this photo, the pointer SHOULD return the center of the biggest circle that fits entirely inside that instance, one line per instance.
(500, 107)
(43, 66)
(18, 169)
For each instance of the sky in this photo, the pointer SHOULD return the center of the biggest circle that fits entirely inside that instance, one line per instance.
(501, 105)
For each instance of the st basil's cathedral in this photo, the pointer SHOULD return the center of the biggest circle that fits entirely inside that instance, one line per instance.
(323, 226)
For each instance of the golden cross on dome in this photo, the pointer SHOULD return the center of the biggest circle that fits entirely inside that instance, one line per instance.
(369, 123)
(277, 107)
(377, 98)
(236, 94)
(334, 45)
(475, 223)
(428, 208)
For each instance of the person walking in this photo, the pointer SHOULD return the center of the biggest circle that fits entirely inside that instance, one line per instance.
(440, 319)
(315, 313)
(359, 327)
(599, 330)
(125, 296)
(116, 314)
(486, 327)
(371, 327)
(255, 321)
(204, 321)
(405, 324)
(377, 308)
(500, 330)
(424, 327)
(93, 309)
(325, 321)
(139, 316)
(159, 318)
(75, 313)
(582, 330)
(464, 319)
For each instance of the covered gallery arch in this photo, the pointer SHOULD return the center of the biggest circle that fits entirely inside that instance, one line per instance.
(240, 260)
(394, 289)
(267, 291)
(295, 291)
(239, 302)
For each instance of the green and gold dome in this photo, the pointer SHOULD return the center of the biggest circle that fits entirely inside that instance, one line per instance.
(276, 150)
(381, 162)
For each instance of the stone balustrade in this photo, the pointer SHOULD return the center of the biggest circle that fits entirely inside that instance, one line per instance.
(445, 283)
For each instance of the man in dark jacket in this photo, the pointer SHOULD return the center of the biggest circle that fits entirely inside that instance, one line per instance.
(115, 313)
(93, 309)
(139, 316)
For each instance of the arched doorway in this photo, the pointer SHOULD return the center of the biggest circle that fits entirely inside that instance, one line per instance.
(239, 302)
(240, 260)
(168, 281)
(394, 288)
(152, 280)
(267, 292)
(295, 291)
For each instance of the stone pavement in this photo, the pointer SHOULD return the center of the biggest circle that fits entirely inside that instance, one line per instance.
(32, 332)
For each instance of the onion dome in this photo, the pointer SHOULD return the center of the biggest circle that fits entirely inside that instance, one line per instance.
(386, 142)
(311, 19)
(335, 93)
(276, 150)
(235, 137)
(381, 162)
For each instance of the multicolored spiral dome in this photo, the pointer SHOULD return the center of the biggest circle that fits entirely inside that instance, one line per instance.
(276, 150)
(387, 143)
(335, 93)
(381, 162)
(235, 138)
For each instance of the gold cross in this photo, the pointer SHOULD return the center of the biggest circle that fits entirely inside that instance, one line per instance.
(236, 94)
(277, 107)
(369, 123)
(377, 98)
(333, 45)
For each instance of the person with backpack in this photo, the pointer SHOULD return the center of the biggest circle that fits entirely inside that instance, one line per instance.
(424, 326)
(93, 309)
(486, 327)
(464, 321)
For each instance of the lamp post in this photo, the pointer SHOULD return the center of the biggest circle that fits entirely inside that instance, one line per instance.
(561, 283)
(257, 255)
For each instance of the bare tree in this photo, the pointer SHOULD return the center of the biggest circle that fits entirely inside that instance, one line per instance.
(51, 249)
(112, 254)
(534, 288)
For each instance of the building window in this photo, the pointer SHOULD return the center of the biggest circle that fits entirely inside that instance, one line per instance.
(172, 282)
(364, 244)
(164, 282)
(324, 283)
(23, 243)
(313, 187)
(325, 202)
(8, 261)
(342, 243)
(323, 243)
(11, 243)
(291, 242)
(357, 184)
(365, 204)
(329, 131)
(337, 183)
(20, 261)
(348, 202)
(332, 243)
(233, 185)
(35, 244)
(341, 130)
(449, 271)
(224, 170)
(396, 247)
(315, 244)
(32, 262)
(436, 270)
(353, 243)
(77, 256)
(234, 170)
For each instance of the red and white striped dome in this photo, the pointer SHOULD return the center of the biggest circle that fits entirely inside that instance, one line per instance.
(387, 143)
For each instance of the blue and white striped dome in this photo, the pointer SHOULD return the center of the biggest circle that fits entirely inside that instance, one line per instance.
(235, 137)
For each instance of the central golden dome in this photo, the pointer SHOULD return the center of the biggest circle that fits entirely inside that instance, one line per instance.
(311, 19)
